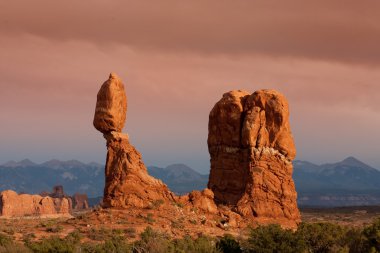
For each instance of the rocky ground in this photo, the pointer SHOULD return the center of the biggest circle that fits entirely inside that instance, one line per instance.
(355, 216)
(98, 224)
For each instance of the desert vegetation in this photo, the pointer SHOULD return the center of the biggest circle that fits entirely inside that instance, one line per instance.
(309, 237)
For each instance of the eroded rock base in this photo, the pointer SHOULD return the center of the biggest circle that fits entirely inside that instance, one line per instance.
(128, 183)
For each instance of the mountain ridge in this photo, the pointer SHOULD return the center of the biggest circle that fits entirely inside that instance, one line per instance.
(180, 178)
(347, 182)
(28, 162)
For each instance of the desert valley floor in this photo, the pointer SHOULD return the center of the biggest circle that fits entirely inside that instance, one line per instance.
(99, 224)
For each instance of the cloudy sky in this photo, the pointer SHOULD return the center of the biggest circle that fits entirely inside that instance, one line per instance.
(176, 59)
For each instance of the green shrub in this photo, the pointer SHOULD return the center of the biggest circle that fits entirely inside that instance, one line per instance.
(101, 234)
(356, 241)
(228, 244)
(130, 232)
(178, 224)
(271, 238)
(7, 245)
(178, 204)
(324, 237)
(114, 245)
(52, 245)
(152, 241)
(74, 237)
(156, 204)
(14, 248)
(202, 244)
(28, 237)
(5, 240)
(372, 236)
(148, 218)
(92, 248)
(54, 229)
(205, 244)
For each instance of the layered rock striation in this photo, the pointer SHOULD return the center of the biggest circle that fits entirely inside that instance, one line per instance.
(251, 149)
(127, 181)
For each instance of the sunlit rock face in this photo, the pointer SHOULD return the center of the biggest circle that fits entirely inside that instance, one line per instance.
(251, 149)
(111, 106)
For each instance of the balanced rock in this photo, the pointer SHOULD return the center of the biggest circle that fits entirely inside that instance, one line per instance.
(128, 183)
(251, 149)
(18, 205)
(111, 106)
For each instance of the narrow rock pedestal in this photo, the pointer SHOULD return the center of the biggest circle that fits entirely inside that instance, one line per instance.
(127, 180)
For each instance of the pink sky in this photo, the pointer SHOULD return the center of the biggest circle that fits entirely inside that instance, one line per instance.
(176, 59)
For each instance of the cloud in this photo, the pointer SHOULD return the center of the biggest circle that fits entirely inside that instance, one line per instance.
(334, 30)
(49, 90)
(177, 58)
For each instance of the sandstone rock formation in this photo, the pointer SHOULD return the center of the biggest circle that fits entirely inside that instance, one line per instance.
(251, 149)
(111, 106)
(201, 200)
(80, 201)
(58, 192)
(18, 205)
(127, 181)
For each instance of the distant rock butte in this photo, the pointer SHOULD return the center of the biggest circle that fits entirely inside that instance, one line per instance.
(19, 205)
(76, 202)
(251, 149)
(57, 192)
(80, 201)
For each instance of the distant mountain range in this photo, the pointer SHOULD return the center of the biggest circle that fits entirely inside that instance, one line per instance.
(349, 182)
(29, 177)
(180, 178)
(346, 183)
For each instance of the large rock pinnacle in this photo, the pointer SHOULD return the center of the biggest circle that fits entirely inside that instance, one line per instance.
(127, 181)
(251, 149)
